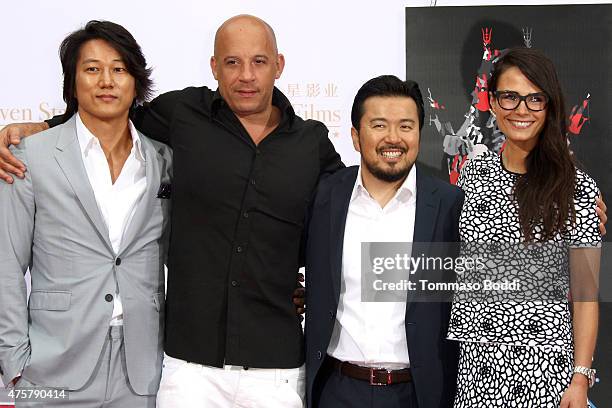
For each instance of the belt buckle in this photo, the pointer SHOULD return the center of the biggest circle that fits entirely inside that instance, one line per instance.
(373, 382)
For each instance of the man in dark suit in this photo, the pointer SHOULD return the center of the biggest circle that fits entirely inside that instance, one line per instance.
(353, 346)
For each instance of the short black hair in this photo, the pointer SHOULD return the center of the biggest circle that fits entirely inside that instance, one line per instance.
(387, 85)
(122, 41)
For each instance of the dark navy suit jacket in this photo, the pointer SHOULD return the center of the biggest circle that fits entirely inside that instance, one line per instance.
(433, 359)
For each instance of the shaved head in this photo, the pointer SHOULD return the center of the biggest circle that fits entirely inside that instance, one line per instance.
(245, 64)
(239, 23)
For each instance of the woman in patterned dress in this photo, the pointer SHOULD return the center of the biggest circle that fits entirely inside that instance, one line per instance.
(532, 210)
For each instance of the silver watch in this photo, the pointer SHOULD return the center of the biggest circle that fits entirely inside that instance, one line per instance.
(587, 372)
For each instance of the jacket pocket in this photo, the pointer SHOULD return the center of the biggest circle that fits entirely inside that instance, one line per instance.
(50, 300)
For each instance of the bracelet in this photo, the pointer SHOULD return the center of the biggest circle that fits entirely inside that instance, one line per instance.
(589, 373)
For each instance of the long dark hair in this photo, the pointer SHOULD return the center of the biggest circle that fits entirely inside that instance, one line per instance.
(545, 193)
(117, 37)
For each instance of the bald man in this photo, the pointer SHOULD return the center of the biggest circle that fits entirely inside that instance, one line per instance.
(245, 167)
(245, 170)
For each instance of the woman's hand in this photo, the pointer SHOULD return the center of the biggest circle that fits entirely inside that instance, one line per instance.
(575, 396)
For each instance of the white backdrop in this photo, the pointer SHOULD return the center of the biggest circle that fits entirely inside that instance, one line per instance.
(331, 48)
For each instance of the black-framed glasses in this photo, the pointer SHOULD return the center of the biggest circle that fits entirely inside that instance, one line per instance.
(510, 100)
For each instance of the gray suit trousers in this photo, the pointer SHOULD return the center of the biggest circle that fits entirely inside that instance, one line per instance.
(108, 386)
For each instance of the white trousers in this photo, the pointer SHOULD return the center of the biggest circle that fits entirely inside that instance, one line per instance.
(190, 385)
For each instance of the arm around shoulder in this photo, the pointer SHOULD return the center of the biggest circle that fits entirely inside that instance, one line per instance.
(329, 160)
(155, 118)
(12, 135)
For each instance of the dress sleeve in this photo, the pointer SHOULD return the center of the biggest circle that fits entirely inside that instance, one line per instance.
(464, 174)
(585, 232)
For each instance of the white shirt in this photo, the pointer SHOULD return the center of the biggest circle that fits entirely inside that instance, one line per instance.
(117, 202)
(372, 334)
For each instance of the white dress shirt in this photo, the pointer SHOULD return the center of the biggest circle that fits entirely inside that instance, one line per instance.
(372, 334)
(117, 202)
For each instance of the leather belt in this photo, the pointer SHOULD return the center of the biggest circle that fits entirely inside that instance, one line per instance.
(375, 376)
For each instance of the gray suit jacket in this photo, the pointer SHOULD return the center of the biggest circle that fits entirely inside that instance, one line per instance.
(50, 222)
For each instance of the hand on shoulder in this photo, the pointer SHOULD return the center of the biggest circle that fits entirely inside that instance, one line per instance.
(12, 135)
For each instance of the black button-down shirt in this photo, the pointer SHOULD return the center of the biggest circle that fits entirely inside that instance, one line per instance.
(237, 219)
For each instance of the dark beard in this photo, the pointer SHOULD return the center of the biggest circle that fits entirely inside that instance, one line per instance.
(388, 176)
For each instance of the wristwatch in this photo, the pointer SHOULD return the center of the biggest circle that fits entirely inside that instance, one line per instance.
(587, 372)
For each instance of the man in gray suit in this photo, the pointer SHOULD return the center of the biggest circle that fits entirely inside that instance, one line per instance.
(89, 219)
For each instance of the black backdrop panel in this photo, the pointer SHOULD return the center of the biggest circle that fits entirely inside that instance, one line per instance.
(450, 52)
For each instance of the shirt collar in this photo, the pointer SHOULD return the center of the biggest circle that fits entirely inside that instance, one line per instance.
(278, 99)
(87, 139)
(404, 193)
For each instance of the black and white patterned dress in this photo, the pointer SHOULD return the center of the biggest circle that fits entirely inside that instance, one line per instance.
(516, 346)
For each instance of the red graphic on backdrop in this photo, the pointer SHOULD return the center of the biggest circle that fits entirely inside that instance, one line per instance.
(578, 117)
(479, 125)
(479, 130)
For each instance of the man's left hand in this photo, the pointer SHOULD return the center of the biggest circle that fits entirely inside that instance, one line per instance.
(601, 212)
(299, 295)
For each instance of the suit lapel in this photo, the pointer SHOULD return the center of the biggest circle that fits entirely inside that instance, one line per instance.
(427, 205)
(425, 220)
(143, 209)
(69, 158)
(339, 203)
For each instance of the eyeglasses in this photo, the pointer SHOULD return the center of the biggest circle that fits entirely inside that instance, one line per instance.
(510, 100)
